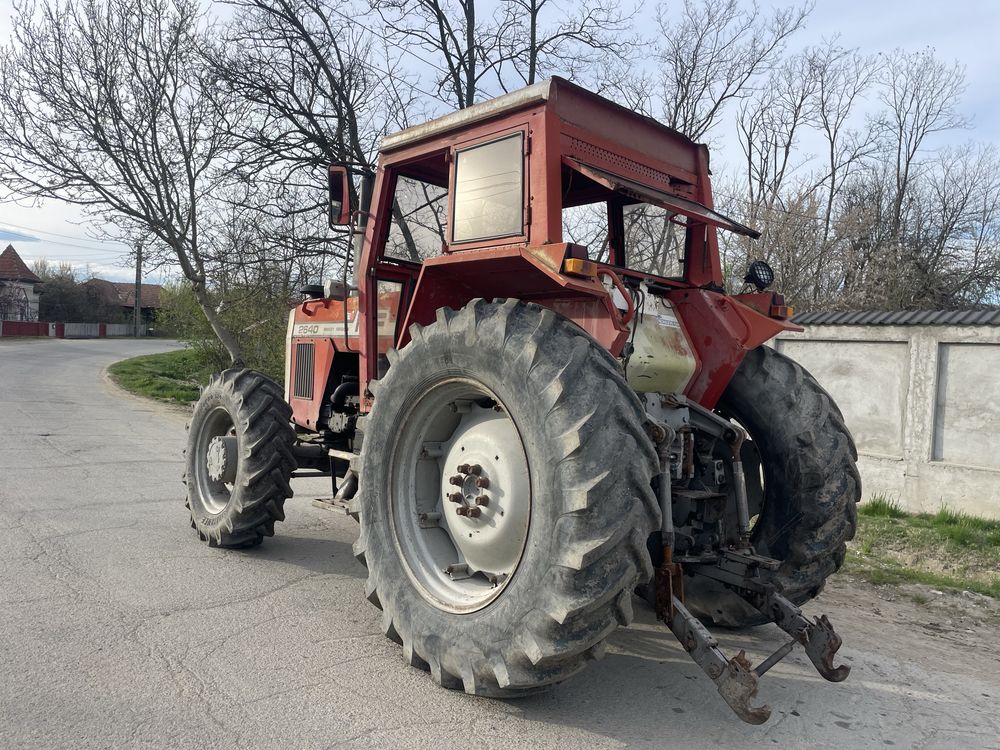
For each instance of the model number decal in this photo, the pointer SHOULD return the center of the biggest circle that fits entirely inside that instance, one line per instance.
(318, 329)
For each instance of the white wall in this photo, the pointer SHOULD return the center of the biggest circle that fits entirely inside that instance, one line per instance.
(923, 403)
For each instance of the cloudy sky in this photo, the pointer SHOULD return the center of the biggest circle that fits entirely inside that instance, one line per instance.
(967, 31)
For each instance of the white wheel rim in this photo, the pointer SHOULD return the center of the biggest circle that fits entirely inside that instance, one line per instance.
(460, 492)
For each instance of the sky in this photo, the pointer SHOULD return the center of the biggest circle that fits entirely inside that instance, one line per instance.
(966, 31)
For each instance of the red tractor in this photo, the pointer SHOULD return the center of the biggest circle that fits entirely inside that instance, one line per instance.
(530, 432)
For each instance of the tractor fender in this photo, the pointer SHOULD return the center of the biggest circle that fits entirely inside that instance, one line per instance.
(721, 331)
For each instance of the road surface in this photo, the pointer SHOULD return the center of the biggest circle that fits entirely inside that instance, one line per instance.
(119, 629)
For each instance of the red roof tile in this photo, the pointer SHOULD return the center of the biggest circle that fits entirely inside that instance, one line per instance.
(123, 293)
(12, 268)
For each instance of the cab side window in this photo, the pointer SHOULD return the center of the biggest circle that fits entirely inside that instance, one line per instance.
(489, 190)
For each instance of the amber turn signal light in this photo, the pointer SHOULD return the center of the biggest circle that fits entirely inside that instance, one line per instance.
(579, 267)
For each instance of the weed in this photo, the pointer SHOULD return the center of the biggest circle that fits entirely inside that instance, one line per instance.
(880, 506)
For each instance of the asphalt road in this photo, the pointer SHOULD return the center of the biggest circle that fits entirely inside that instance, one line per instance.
(119, 629)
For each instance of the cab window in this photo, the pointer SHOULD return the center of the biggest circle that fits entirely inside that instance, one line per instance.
(489, 190)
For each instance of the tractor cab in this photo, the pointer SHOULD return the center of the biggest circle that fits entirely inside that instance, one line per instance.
(479, 203)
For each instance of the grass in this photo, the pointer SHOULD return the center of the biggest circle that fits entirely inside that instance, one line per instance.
(948, 549)
(881, 507)
(174, 377)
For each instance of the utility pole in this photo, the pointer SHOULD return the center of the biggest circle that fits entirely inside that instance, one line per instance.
(137, 310)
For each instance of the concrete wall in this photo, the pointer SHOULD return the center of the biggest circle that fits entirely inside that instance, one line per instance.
(923, 403)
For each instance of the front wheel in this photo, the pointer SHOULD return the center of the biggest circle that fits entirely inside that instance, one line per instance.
(239, 459)
(805, 508)
(504, 498)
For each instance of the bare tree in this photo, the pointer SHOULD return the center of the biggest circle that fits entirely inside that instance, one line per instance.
(537, 38)
(103, 104)
(710, 53)
(921, 94)
(451, 32)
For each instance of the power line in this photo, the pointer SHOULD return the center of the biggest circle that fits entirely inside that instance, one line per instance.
(54, 234)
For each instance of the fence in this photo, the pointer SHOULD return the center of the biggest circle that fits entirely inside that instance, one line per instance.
(921, 402)
(68, 330)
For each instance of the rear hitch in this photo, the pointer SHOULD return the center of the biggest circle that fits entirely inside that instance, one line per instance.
(736, 681)
(746, 573)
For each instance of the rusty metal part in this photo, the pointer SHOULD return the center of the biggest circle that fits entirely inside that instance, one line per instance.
(482, 500)
(747, 574)
(734, 678)
(474, 512)
(669, 586)
(482, 483)
(820, 640)
(457, 480)
(462, 510)
(822, 644)
(455, 497)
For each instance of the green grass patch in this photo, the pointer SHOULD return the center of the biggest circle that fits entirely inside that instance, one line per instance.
(171, 376)
(881, 506)
(882, 572)
(948, 549)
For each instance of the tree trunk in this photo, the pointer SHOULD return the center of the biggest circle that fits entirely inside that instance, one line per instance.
(225, 336)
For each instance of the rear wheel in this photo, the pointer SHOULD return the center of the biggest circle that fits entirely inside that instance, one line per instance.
(805, 509)
(239, 459)
(504, 499)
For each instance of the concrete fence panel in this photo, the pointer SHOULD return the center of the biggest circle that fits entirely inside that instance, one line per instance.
(923, 404)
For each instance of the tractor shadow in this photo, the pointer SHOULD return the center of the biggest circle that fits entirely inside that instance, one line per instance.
(318, 554)
(648, 687)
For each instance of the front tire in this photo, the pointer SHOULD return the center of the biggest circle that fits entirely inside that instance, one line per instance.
(548, 398)
(239, 459)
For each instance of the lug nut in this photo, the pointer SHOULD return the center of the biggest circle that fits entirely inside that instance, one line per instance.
(482, 500)
(462, 510)
(455, 497)
(458, 480)
(474, 469)
(482, 483)
(463, 468)
(473, 512)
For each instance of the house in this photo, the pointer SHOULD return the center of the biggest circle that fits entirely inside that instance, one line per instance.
(19, 288)
(122, 294)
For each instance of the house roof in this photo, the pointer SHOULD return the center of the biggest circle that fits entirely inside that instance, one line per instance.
(123, 293)
(988, 317)
(12, 268)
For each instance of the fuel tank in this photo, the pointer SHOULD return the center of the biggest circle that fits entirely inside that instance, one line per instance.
(662, 360)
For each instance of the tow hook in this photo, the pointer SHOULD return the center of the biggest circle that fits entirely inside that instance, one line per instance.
(746, 573)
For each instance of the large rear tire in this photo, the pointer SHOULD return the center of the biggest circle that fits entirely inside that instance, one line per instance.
(239, 459)
(530, 403)
(811, 485)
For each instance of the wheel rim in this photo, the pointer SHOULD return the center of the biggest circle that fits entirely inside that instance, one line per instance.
(216, 458)
(460, 495)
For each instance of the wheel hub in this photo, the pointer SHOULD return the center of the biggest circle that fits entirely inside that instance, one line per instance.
(487, 517)
(221, 459)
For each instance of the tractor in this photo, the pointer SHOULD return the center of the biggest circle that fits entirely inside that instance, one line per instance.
(531, 433)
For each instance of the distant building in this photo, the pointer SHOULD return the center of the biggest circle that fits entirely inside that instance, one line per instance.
(122, 294)
(19, 288)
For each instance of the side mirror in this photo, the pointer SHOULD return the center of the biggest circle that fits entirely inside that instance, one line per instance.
(339, 202)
